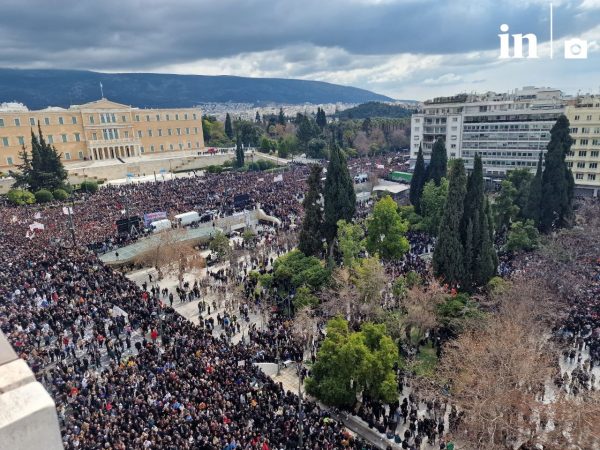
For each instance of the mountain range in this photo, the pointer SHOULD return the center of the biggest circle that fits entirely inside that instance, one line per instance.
(39, 88)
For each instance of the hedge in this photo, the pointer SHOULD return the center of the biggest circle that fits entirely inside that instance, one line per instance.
(44, 196)
(60, 194)
(20, 197)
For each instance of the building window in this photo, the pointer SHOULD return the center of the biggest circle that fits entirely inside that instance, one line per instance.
(17, 122)
(77, 138)
(152, 148)
(595, 153)
(167, 116)
(189, 144)
(64, 137)
(195, 130)
(160, 131)
(92, 119)
(178, 131)
(50, 139)
(180, 146)
(139, 133)
(582, 153)
(114, 118)
(137, 118)
(162, 148)
(185, 116)
(576, 118)
(591, 176)
(67, 156)
(21, 140)
(176, 116)
(61, 121)
(593, 165)
(47, 120)
(126, 133)
(169, 132)
(170, 146)
(9, 161)
(103, 118)
(1, 122)
(157, 119)
(149, 132)
(194, 116)
(74, 120)
(147, 118)
(141, 149)
(32, 121)
(581, 165)
(579, 176)
(589, 117)
(94, 136)
(80, 155)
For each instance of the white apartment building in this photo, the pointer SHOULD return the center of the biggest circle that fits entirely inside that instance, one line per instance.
(508, 130)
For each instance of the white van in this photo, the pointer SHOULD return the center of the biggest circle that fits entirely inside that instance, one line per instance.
(187, 218)
(161, 225)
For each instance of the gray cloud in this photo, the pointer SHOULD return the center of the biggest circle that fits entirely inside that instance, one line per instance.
(144, 34)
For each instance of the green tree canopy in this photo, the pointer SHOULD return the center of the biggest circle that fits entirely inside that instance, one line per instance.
(386, 230)
(228, 126)
(557, 179)
(351, 241)
(311, 235)
(522, 236)
(43, 169)
(349, 363)
(340, 198)
(505, 209)
(433, 200)
(439, 162)
(296, 269)
(417, 183)
(448, 261)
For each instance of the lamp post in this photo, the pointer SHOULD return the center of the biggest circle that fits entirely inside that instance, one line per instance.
(300, 413)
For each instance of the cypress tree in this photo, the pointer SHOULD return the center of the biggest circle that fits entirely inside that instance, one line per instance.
(418, 182)
(448, 261)
(228, 126)
(321, 118)
(281, 117)
(438, 165)
(257, 117)
(239, 151)
(534, 199)
(340, 198)
(486, 261)
(472, 221)
(557, 184)
(310, 238)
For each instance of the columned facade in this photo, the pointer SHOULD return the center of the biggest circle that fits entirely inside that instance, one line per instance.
(101, 131)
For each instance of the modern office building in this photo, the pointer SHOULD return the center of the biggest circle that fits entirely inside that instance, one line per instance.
(508, 130)
(584, 157)
(100, 130)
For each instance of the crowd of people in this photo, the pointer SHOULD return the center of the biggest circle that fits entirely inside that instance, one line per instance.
(124, 369)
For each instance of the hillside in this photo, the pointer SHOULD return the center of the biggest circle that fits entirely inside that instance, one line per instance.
(40, 88)
(375, 109)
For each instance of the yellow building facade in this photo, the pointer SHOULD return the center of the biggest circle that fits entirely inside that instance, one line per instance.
(100, 130)
(584, 157)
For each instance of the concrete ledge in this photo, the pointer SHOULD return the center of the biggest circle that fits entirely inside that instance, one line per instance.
(28, 419)
(15, 374)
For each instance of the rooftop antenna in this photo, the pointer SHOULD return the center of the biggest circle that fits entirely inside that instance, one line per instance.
(101, 91)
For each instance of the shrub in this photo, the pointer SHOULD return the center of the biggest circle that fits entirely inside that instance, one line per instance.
(60, 194)
(89, 186)
(43, 196)
(20, 197)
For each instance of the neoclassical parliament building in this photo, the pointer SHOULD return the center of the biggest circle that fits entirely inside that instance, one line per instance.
(100, 130)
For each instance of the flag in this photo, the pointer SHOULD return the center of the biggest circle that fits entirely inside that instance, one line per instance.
(67, 210)
(278, 178)
(36, 226)
(38, 215)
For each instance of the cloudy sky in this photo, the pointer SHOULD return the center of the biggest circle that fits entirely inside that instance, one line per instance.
(407, 49)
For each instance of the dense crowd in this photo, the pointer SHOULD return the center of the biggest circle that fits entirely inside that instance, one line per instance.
(125, 370)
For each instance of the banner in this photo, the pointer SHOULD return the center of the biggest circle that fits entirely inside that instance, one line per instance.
(153, 217)
(278, 178)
